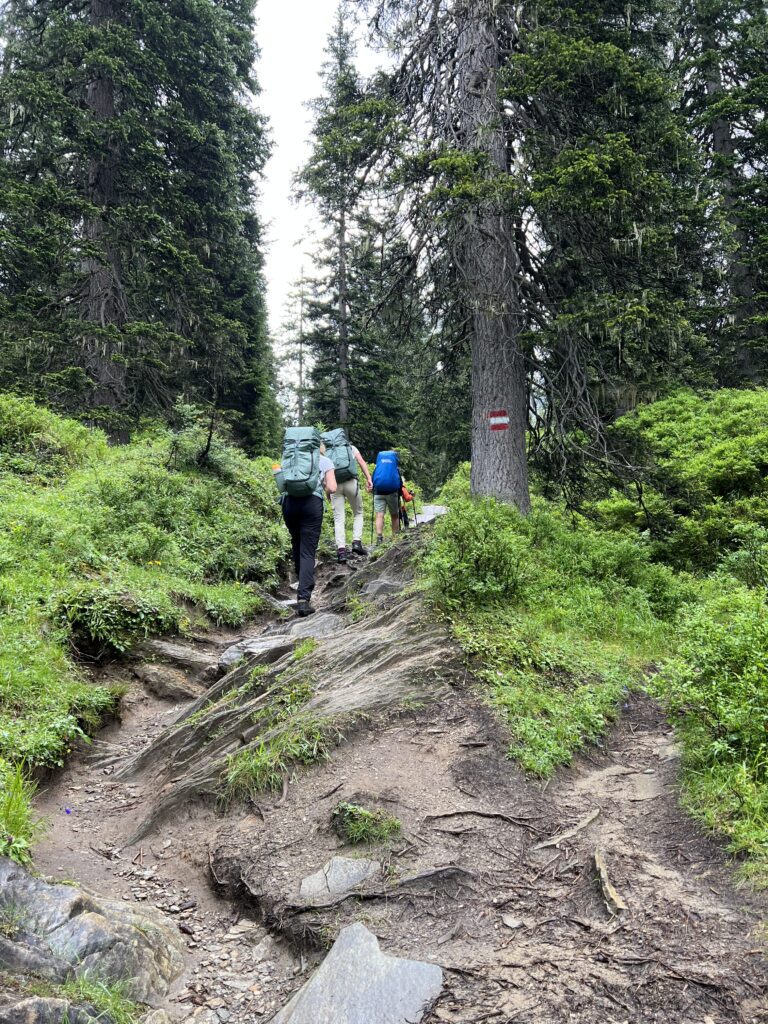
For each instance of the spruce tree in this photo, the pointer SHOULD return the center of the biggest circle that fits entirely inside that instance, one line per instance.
(130, 250)
(722, 61)
(349, 129)
(553, 188)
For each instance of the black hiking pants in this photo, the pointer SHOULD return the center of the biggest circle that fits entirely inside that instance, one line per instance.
(304, 519)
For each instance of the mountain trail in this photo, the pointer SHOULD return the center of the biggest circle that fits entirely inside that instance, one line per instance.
(591, 899)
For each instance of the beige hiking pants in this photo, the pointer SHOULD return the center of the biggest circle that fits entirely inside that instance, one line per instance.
(348, 491)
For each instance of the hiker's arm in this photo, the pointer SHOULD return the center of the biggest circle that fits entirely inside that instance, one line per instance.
(364, 466)
(329, 482)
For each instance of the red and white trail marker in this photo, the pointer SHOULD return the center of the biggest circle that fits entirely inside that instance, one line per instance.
(498, 419)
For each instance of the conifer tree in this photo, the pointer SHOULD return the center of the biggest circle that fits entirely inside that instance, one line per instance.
(553, 188)
(130, 255)
(350, 126)
(722, 60)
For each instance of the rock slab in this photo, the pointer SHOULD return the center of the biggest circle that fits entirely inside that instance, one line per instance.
(339, 875)
(358, 983)
(61, 931)
(41, 1010)
(265, 648)
(320, 625)
(382, 588)
(166, 682)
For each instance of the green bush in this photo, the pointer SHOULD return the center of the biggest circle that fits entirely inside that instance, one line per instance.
(703, 465)
(478, 555)
(716, 687)
(560, 617)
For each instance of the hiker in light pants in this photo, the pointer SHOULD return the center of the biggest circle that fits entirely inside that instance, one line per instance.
(349, 491)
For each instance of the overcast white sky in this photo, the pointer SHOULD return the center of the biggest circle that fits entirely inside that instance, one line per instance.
(292, 35)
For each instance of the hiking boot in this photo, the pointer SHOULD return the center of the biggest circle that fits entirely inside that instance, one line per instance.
(379, 539)
(358, 549)
(304, 608)
(342, 554)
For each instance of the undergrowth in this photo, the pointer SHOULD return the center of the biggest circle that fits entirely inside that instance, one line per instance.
(102, 546)
(19, 826)
(561, 619)
(358, 825)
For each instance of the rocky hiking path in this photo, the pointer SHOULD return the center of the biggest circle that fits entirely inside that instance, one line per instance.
(591, 899)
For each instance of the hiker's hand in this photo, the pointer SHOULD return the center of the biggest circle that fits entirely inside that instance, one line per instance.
(369, 485)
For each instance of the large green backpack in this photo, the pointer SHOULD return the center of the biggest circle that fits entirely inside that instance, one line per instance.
(339, 451)
(301, 461)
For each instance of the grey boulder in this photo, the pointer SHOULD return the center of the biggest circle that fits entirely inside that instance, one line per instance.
(320, 625)
(382, 588)
(358, 984)
(166, 682)
(63, 931)
(339, 875)
(265, 649)
(41, 1010)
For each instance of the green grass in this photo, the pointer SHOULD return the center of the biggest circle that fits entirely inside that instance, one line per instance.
(357, 825)
(108, 998)
(559, 619)
(304, 741)
(19, 826)
(715, 689)
(102, 546)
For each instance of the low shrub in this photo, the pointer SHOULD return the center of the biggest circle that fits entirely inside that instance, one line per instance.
(716, 688)
(358, 825)
(702, 462)
(560, 618)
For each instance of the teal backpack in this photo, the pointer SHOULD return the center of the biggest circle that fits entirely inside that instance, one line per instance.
(339, 451)
(301, 461)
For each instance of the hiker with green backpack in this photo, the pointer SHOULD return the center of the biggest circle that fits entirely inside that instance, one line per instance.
(303, 477)
(346, 459)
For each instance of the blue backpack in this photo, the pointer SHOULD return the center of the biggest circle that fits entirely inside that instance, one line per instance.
(386, 475)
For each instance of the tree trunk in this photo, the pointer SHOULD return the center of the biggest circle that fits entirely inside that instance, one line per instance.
(343, 353)
(103, 296)
(488, 262)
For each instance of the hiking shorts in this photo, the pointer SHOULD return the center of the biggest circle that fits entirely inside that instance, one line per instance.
(387, 502)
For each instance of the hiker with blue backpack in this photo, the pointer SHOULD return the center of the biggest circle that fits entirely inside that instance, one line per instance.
(304, 476)
(346, 459)
(387, 487)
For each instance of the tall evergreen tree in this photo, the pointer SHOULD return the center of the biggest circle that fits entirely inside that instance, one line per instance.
(554, 192)
(611, 229)
(722, 59)
(130, 253)
(349, 130)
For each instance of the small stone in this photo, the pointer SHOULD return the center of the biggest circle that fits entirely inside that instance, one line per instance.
(511, 922)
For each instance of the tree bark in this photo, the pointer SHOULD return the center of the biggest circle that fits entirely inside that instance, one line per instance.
(489, 264)
(103, 295)
(343, 353)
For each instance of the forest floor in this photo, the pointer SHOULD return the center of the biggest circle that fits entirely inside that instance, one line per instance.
(634, 916)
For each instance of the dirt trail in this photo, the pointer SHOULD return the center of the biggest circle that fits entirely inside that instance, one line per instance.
(523, 933)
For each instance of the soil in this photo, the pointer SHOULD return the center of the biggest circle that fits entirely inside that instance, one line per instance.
(522, 933)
